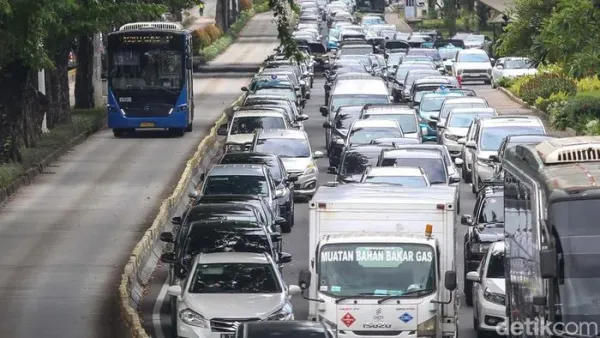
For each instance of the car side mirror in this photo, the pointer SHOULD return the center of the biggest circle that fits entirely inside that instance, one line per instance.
(332, 170)
(222, 131)
(304, 279)
(466, 220)
(440, 125)
(548, 266)
(280, 221)
(194, 194)
(168, 257)
(499, 67)
(458, 161)
(454, 179)
(302, 117)
(318, 154)
(292, 178)
(276, 237)
(167, 237)
(495, 158)
(284, 258)
(492, 60)
(176, 220)
(244, 89)
(324, 111)
(471, 144)
(473, 276)
(461, 141)
(450, 281)
(424, 131)
(327, 124)
(174, 290)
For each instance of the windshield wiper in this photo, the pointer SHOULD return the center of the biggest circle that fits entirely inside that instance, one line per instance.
(402, 295)
(358, 295)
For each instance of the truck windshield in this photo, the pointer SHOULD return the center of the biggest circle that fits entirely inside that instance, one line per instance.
(576, 224)
(376, 268)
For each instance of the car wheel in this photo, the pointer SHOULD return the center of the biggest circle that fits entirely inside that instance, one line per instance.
(465, 173)
(118, 132)
(468, 292)
(173, 318)
(190, 127)
(475, 322)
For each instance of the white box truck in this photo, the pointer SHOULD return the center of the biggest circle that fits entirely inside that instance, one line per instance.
(382, 258)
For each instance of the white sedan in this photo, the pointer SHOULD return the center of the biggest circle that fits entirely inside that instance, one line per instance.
(512, 67)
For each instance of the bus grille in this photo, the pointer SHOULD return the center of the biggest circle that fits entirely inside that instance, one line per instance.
(148, 111)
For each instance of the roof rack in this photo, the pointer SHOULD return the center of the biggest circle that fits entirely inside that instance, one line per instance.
(151, 25)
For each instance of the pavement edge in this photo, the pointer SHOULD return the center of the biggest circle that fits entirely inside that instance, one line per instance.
(131, 288)
(534, 109)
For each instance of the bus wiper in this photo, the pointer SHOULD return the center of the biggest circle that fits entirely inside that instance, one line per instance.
(402, 295)
(358, 295)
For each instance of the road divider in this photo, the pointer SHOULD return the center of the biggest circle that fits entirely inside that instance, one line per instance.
(146, 254)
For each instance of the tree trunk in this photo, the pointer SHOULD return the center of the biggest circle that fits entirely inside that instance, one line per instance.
(22, 110)
(57, 87)
(84, 85)
(221, 15)
(450, 16)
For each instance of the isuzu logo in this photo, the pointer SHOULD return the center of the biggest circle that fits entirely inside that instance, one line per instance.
(377, 326)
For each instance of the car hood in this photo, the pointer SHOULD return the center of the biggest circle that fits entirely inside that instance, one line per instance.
(496, 285)
(483, 154)
(296, 164)
(240, 138)
(518, 72)
(225, 305)
(461, 132)
(473, 65)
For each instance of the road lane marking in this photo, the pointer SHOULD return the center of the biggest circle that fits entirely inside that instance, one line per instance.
(156, 315)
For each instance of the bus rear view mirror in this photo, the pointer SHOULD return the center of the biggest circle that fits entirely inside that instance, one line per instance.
(548, 266)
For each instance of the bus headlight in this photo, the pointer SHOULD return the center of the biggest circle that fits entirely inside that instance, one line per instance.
(183, 107)
(428, 327)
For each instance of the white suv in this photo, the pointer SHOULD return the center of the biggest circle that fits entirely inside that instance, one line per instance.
(489, 296)
(472, 65)
(486, 136)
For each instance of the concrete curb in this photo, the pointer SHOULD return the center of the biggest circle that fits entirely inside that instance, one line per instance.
(28, 177)
(534, 109)
(135, 278)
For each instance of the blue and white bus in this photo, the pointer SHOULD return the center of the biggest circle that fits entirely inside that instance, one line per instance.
(150, 78)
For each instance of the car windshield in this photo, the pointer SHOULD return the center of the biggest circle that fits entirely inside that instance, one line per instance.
(475, 38)
(405, 181)
(518, 64)
(496, 265)
(268, 83)
(464, 120)
(492, 211)
(366, 135)
(355, 163)
(357, 100)
(288, 93)
(236, 184)
(433, 53)
(376, 269)
(492, 137)
(403, 70)
(434, 102)
(269, 162)
(284, 147)
(448, 53)
(407, 122)
(357, 50)
(365, 60)
(411, 77)
(394, 59)
(224, 238)
(234, 278)
(248, 124)
(473, 57)
(434, 168)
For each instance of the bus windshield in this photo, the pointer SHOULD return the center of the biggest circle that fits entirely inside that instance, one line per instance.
(146, 61)
(378, 269)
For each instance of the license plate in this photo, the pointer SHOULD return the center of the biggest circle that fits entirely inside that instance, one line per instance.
(147, 125)
(227, 335)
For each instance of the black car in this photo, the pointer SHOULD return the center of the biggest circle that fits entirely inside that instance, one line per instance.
(354, 162)
(287, 329)
(486, 226)
(512, 141)
(338, 130)
(284, 183)
(217, 236)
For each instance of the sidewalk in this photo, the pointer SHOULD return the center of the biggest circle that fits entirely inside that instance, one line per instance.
(208, 18)
(394, 19)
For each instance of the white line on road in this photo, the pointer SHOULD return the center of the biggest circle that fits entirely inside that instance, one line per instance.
(156, 315)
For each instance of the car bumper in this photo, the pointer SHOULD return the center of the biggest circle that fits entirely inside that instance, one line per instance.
(475, 76)
(491, 315)
(116, 120)
(306, 186)
(453, 147)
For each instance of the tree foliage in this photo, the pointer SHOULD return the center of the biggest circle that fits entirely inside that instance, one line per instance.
(284, 12)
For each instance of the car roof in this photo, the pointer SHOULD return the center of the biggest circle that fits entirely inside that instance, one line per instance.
(349, 108)
(241, 169)
(257, 113)
(440, 94)
(232, 257)
(432, 80)
(528, 138)
(215, 206)
(422, 71)
(246, 155)
(258, 97)
(464, 99)
(374, 86)
(373, 124)
(412, 153)
(395, 171)
(366, 149)
(224, 198)
(469, 111)
(511, 120)
(472, 51)
(283, 133)
(387, 109)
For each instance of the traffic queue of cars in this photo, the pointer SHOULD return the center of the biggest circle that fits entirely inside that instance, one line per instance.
(398, 126)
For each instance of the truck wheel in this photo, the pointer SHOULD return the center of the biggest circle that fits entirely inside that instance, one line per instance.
(178, 132)
(118, 132)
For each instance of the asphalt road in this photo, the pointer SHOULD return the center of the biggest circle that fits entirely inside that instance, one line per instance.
(155, 312)
(65, 238)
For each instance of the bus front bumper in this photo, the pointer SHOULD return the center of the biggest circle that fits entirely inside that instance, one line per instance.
(174, 120)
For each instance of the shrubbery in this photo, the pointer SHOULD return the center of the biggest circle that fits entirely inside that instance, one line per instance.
(214, 32)
(588, 84)
(543, 103)
(545, 84)
(245, 5)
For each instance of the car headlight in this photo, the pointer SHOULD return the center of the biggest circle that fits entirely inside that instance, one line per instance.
(451, 137)
(311, 169)
(193, 318)
(282, 314)
(484, 161)
(428, 327)
(493, 297)
(480, 248)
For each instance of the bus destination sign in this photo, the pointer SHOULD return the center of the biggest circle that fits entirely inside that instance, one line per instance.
(146, 39)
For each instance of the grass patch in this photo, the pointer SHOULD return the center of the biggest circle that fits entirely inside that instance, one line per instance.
(219, 46)
(83, 121)
(594, 93)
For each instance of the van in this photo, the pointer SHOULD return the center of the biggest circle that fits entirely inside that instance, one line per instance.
(357, 92)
